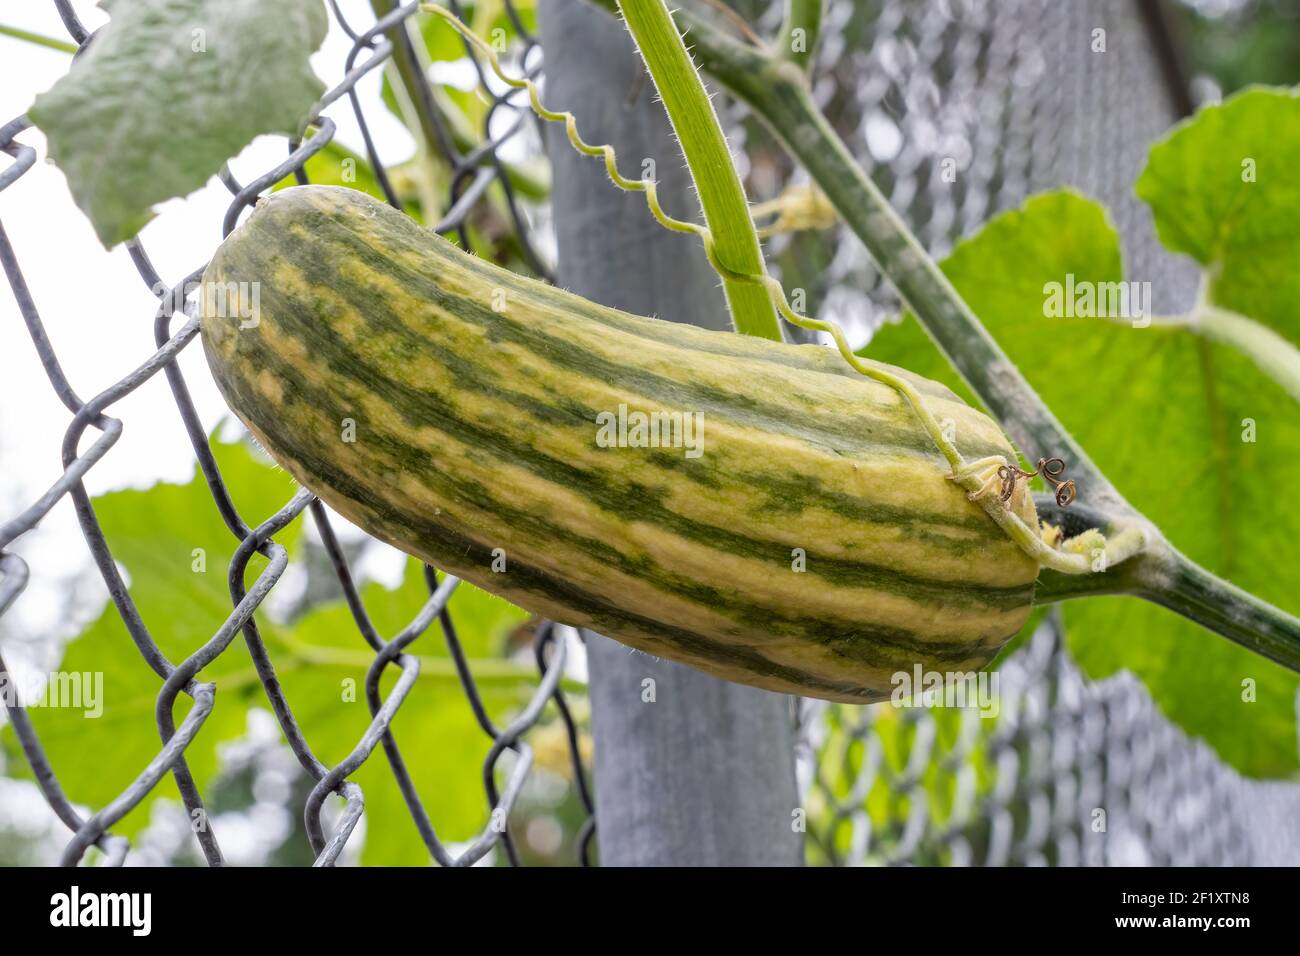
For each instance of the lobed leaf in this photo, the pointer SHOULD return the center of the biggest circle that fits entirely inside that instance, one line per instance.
(1223, 189)
(171, 89)
(1190, 433)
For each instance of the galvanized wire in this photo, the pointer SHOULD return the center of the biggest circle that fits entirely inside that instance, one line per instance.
(472, 173)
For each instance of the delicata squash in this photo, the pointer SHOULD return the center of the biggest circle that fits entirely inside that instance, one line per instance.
(757, 510)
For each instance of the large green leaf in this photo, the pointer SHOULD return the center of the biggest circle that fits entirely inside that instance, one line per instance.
(154, 535)
(1161, 411)
(1224, 190)
(171, 89)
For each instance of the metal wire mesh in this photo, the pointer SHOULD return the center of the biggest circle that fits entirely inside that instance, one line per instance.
(1069, 773)
(961, 109)
(472, 173)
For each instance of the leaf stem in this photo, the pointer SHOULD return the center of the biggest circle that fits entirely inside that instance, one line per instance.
(793, 45)
(50, 43)
(1274, 355)
(722, 197)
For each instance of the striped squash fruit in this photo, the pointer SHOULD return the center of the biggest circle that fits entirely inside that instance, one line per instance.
(489, 425)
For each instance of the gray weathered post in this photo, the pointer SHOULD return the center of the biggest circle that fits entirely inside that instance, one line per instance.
(704, 774)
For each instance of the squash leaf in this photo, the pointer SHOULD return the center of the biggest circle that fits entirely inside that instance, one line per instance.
(1223, 190)
(171, 89)
(441, 742)
(175, 550)
(1191, 434)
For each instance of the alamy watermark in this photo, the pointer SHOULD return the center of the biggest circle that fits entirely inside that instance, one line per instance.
(656, 429)
(133, 911)
(219, 300)
(67, 690)
(1083, 299)
(977, 690)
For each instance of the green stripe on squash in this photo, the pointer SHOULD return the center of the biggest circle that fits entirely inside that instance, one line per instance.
(475, 395)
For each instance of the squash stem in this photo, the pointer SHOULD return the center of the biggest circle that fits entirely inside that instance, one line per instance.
(1165, 576)
(722, 197)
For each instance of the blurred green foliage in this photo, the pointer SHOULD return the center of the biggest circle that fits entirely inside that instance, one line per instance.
(1240, 42)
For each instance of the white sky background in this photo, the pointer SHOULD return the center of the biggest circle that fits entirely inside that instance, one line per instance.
(98, 313)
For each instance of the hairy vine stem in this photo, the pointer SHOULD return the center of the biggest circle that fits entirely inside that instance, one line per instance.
(722, 198)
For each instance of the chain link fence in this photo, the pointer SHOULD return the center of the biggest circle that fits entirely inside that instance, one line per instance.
(1068, 773)
(473, 172)
(1009, 88)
